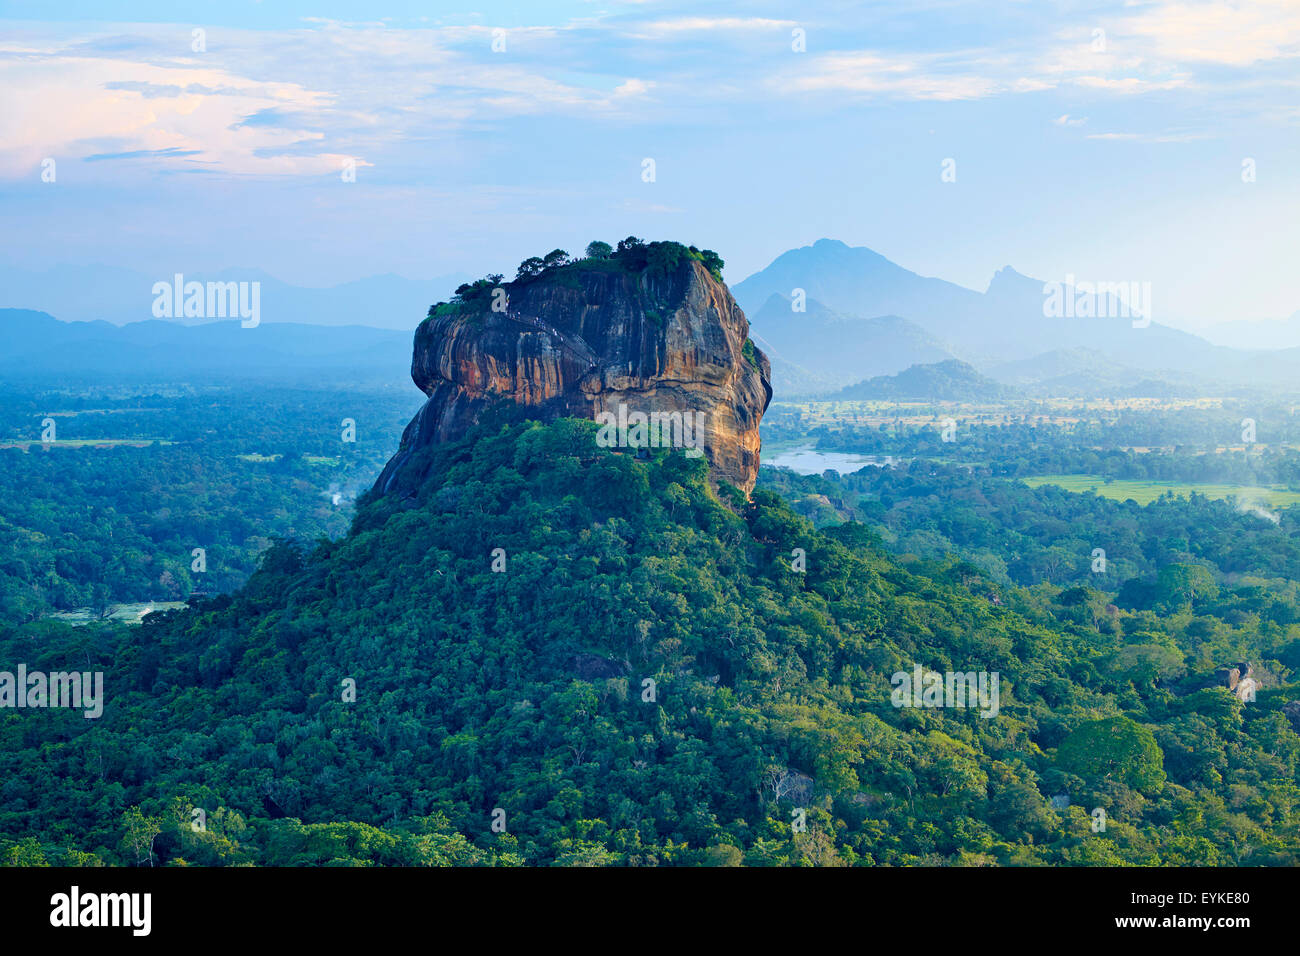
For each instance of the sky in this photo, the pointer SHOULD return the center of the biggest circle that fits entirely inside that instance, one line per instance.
(1120, 141)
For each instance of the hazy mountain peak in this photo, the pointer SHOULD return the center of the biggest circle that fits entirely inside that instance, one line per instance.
(1008, 280)
(1006, 274)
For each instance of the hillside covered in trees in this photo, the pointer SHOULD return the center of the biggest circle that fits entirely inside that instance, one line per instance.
(557, 654)
(948, 381)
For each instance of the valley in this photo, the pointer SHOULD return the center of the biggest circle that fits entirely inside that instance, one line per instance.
(467, 597)
(648, 435)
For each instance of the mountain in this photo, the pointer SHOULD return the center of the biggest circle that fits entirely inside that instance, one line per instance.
(859, 282)
(1051, 365)
(950, 381)
(555, 655)
(1240, 334)
(649, 331)
(1008, 321)
(121, 296)
(35, 346)
(1086, 373)
(842, 349)
(531, 648)
(790, 380)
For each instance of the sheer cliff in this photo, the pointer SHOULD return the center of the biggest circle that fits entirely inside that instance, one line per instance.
(610, 339)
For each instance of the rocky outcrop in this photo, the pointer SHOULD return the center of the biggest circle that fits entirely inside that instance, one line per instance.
(590, 338)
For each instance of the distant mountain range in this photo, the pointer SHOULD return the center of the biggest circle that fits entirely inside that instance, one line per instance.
(950, 381)
(866, 316)
(119, 296)
(820, 349)
(1278, 334)
(1083, 373)
(828, 315)
(35, 346)
(1068, 373)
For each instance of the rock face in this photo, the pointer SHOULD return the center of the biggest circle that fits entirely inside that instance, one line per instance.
(586, 339)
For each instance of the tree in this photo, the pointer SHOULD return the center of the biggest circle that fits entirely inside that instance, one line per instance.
(556, 257)
(25, 852)
(1145, 664)
(816, 847)
(1184, 584)
(713, 262)
(664, 257)
(1016, 809)
(723, 854)
(141, 832)
(529, 268)
(599, 250)
(1116, 748)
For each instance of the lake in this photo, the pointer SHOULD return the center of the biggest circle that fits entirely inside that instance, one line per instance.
(807, 460)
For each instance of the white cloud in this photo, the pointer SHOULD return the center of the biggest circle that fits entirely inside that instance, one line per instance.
(873, 72)
(268, 103)
(633, 87)
(1227, 33)
(1155, 50)
(1127, 84)
(295, 102)
(70, 108)
(1161, 137)
(709, 24)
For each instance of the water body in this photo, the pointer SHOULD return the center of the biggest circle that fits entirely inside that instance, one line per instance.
(806, 460)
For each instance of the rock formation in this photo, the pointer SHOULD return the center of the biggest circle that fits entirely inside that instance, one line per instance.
(656, 337)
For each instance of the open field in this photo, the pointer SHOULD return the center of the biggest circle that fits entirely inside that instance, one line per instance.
(87, 443)
(125, 613)
(1024, 411)
(1144, 492)
(73, 413)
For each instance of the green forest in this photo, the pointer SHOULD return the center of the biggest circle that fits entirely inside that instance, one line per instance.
(221, 468)
(555, 654)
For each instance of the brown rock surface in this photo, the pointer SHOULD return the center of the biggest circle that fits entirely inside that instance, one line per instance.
(584, 339)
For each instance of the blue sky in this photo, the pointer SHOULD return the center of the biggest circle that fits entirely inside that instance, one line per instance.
(1101, 140)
